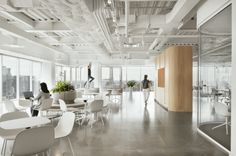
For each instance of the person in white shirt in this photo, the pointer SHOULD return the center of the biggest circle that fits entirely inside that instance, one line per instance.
(146, 89)
(43, 94)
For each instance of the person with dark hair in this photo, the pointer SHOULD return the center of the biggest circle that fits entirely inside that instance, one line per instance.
(146, 88)
(43, 94)
(90, 78)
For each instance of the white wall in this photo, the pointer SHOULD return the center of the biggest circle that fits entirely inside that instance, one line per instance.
(48, 74)
(209, 9)
(233, 109)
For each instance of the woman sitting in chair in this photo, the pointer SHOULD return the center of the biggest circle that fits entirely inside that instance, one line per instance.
(43, 94)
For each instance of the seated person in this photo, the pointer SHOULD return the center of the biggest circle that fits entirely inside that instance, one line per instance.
(43, 94)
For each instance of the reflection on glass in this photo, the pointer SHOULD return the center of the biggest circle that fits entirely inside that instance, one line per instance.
(215, 72)
(9, 74)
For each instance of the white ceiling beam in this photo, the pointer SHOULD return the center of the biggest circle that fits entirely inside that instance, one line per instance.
(165, 36)
(180, 10)
(126, 17)
(49, 27)
(18, 16)
(173, 18)
(14, 31)
(145, 0)
(142, 21)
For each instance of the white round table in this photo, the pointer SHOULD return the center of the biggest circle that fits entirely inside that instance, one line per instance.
(24, 122)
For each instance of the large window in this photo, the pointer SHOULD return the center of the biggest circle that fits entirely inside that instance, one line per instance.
(66, 72)
(106, 77)
(24, 76)
(36, 77)
(18, 76)
(9, 77)
(63, 73)
(133, 73)
(59, 73)
(117, 77)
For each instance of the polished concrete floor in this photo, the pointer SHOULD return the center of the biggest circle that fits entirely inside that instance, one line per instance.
(133, 130)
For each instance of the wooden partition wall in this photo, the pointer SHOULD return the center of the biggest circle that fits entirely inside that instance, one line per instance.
(176, 94)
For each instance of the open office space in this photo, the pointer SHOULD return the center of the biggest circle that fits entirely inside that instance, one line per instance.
(118, 77)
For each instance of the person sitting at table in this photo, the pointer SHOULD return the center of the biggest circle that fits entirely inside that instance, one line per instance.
(43, 94)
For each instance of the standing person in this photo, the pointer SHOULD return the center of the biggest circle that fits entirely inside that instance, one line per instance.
(146, 89)
(43, 94)
(90, 78)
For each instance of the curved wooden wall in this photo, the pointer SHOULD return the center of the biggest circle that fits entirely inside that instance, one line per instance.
(178, 79)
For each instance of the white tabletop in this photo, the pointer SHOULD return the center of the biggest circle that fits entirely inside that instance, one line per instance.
(24, 122)
(69, 105)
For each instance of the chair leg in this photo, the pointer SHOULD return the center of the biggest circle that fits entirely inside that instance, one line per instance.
(4, 153)
(102, 120)
(226, 126)
(3, 145)
(73, 154)
(219, 126)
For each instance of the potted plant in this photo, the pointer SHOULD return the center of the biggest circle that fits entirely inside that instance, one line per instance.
(131, 84)
(65, 91)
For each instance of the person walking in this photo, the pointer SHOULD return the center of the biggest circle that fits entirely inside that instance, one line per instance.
(90, 78)
(146, 89)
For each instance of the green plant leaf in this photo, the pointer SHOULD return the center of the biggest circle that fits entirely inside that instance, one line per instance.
(62, 86)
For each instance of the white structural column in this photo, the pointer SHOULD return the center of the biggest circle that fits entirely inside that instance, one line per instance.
(233, 79)
(126, 17)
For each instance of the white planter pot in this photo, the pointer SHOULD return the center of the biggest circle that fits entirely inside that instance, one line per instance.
(68, 97)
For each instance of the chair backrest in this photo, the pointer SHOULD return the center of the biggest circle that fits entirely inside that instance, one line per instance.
(96, 106)
(25, 103)
(116, 91)
(46, 104)
(79, 94)
(62, 104)
(10, 106)
(65, 124)
(33, 141)
(221, 109)
(13, 115)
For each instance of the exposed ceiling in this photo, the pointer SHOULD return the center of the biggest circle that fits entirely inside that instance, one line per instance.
(110, 28)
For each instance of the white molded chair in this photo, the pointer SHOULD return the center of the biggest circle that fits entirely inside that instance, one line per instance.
(10, 134)
(65, 127)
(10, 106)
(33, 141)
(24, 104)
(46, 104)
(64, 108)
(223, 109)
(116, 96)
(79, 98)
(79, 94)
(96, 107)
(106, 103)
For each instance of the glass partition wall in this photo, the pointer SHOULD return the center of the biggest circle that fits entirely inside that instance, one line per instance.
(214, 78)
